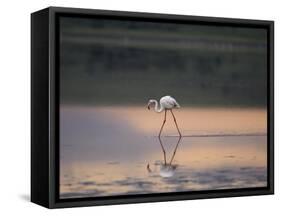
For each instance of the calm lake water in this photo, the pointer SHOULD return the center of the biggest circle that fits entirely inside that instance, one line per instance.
(115, 150)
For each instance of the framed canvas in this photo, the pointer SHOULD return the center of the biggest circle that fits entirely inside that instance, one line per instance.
(139, 107)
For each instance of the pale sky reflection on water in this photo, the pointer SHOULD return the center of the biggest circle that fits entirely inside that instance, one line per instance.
(105, 150)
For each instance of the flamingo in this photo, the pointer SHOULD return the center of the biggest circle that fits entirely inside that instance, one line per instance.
(166, 103)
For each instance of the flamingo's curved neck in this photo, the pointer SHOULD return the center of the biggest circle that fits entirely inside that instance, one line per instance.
(158, 108)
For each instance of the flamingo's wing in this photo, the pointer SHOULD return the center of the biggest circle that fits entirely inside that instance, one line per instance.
(169, 102)
(173, 102)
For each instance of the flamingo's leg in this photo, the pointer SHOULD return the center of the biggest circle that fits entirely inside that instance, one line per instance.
(175, 122)
(162, 124)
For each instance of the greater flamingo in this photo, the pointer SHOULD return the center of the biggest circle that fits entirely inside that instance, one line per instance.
(166, 103)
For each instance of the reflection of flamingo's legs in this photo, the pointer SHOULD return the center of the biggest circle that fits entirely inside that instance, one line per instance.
(164, 152)
(175, 151)
(148, 168)
(163, 123)
(175, 122)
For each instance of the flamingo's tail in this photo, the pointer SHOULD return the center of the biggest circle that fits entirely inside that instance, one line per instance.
(177, 105)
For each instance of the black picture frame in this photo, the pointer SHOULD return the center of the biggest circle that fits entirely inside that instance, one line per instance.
(45, 116)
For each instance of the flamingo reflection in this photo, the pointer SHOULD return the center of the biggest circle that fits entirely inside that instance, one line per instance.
(167, 168)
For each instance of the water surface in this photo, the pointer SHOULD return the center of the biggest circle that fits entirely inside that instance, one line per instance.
(115, 150)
